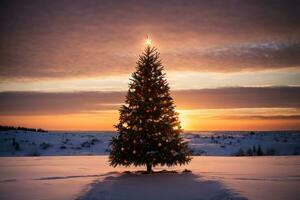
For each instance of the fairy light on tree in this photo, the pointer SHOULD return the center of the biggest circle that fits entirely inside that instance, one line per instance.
(148, 129)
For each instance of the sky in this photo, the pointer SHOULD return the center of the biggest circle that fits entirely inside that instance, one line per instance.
(231, 65)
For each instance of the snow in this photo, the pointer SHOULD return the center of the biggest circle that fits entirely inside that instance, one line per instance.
(37, 165)
(90, 177)
(96, 143)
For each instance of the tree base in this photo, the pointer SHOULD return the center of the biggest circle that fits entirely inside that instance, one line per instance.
(149, 169)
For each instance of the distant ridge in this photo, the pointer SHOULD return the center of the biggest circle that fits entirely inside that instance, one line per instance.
(6, 128)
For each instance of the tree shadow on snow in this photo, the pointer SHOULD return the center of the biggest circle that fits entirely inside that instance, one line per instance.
(185, 186)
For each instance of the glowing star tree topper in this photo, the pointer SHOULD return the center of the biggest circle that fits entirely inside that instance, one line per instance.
(148, 41)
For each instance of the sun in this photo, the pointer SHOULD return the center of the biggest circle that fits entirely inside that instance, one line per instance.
(182, 120)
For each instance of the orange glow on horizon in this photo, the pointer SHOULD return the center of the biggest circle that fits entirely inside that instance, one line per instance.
(190, 120)
(87, 122)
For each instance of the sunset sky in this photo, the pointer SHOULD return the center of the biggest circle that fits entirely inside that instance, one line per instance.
(231, 65)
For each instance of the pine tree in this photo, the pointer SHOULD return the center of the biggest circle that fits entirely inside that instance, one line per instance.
(249, 152)
(254, 150)
(260, 151)
(148, 129)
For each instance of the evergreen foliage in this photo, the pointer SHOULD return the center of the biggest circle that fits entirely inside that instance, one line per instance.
(148, 129)
(259, 151)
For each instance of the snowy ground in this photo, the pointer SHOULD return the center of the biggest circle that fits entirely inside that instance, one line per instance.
(90, 177)
(24, 143)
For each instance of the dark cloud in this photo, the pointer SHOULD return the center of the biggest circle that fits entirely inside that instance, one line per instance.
(261, 117)
(42, 103)
(53, 39)
(239, 97)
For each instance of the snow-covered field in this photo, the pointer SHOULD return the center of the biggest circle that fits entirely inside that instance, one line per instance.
(25, 143)
(90, 177)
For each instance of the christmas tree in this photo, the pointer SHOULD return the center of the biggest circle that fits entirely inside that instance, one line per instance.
(148, 129)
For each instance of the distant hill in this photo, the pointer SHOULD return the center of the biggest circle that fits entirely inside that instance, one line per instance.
(7, 128)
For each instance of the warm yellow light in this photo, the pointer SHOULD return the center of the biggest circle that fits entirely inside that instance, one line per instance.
(182, 120)
(148, 42)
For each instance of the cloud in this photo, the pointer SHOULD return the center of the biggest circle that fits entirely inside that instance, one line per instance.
(261, 117)
(177, 80)
(239, 97)
(43, 103)
(238, 57)
(63, 39)
(47, 103)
